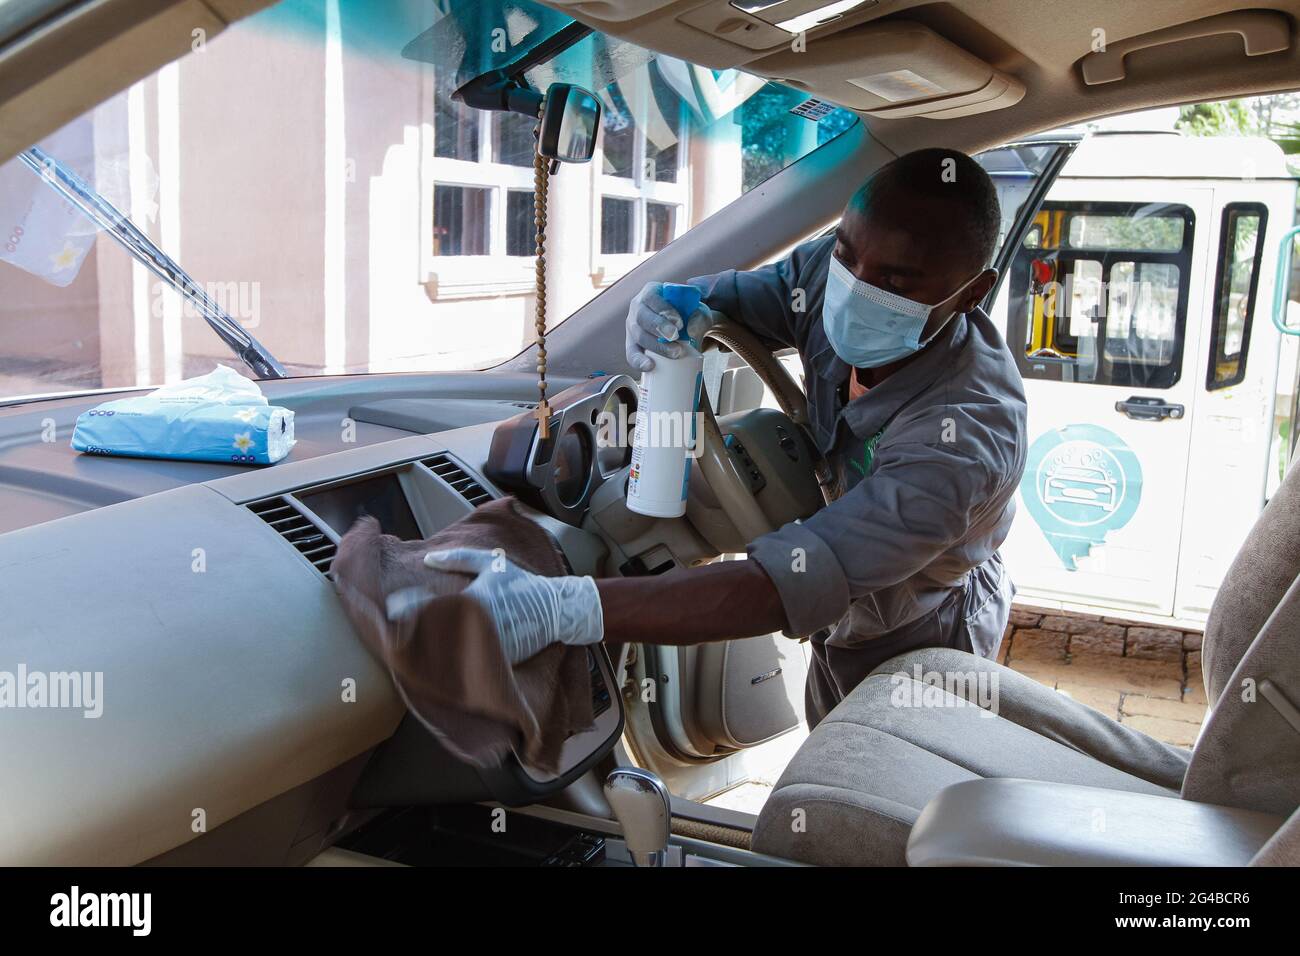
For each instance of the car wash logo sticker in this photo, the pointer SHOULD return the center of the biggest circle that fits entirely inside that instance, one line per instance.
(1081, 483)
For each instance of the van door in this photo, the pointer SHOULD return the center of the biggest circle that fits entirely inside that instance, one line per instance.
(1233, 455)
(1102, 305)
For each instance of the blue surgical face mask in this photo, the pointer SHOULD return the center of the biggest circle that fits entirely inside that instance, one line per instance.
(868, 326)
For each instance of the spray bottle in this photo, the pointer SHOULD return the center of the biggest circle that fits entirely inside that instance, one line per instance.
(664, 440)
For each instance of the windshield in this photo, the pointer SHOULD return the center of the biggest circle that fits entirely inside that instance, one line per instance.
(310, 170)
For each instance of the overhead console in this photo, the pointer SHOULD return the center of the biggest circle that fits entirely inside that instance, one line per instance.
(849, 52)
(897, 69)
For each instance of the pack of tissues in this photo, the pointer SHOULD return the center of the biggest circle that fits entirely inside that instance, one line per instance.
(221, 416)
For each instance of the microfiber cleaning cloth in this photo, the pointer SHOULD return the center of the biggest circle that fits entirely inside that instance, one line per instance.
(221, 416)
(446, 656)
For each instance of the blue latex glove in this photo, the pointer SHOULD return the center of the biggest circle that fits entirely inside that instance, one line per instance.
(655, 325)
(531, 611)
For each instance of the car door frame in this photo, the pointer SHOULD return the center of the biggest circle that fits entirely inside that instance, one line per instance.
(1066, 142)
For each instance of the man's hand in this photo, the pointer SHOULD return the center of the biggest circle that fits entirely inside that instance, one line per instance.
(650, 319)
(531, 611)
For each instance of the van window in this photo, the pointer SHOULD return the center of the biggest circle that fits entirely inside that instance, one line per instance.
(1162, 233)
(1098, 293)
(1241, 246)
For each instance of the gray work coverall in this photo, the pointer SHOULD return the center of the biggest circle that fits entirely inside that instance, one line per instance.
(928, 463)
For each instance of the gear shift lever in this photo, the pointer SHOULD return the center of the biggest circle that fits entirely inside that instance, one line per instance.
(640, 802)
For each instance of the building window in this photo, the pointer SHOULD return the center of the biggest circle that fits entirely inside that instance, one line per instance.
(660, 225)
(521, 230)
(461, 216)
(1241, 247)
(616, 220)
(663, 131)
(643, 148)
(455, 125)
(620, 135)
(513, 142)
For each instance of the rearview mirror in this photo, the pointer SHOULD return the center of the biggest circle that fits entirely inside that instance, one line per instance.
(570, 121)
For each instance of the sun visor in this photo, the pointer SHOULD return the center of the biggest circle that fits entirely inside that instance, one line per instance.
(835, 50)
(721, 34)
(895, 69)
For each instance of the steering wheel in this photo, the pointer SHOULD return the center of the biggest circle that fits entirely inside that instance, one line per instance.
(735, 497)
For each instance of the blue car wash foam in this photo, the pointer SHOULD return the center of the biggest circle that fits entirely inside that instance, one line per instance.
(664, 437)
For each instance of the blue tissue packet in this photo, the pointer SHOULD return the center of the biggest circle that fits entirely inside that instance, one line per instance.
(221, 416)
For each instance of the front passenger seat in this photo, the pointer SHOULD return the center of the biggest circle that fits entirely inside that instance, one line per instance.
(853, 791)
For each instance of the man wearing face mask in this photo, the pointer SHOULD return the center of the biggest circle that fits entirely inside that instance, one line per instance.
(918, 405)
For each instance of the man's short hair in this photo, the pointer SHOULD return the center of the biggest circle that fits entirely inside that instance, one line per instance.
(942, 174)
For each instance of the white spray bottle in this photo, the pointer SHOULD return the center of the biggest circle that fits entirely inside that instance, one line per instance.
(663, 442)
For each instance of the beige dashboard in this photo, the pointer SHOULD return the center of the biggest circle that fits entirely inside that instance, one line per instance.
(228, 672)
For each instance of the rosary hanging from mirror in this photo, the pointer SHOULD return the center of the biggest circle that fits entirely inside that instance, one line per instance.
(543, 168)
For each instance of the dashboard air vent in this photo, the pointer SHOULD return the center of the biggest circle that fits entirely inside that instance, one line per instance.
(292, 525)
(453, 474)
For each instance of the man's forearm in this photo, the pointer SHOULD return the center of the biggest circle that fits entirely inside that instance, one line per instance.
(715, 602)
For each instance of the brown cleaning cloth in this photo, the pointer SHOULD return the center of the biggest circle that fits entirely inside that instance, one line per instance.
(446, 658)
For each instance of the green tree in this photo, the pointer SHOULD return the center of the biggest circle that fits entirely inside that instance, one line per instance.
(1272, 116)
(1286, 135)
(1271, 110)
(1224, 118)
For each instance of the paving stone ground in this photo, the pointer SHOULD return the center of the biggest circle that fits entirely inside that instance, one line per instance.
(1145, 676)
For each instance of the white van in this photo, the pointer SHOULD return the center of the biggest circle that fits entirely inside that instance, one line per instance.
(1140, 309)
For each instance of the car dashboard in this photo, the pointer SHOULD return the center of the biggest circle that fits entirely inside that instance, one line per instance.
(233, 685)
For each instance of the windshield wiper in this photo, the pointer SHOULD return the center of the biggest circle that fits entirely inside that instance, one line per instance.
(105, 215)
